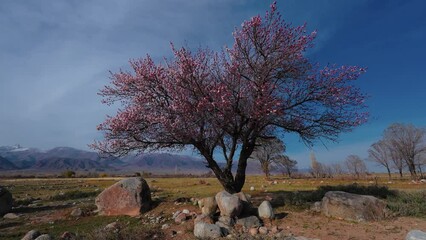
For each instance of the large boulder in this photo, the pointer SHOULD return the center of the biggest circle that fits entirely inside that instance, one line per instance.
(353, 207)
(6, 201)
(208, 205)
(229, 205)
(130, 196)
(207, 231)
(416, 235)
(265, 210)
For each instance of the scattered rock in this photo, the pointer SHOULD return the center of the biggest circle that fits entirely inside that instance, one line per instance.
(208, 205)
(31, 235)
(263, 230)
(254, 231)
(176, 214)
(165, 226)
(229, 205)
(353, 207)
(186, 211)
(204, 230)
(6, 201)
(249, 222)
(130, 196)
(112, 227)
(11, 216)
(181, 217)
(274, 230)
(265, 210)
(44, 237)
(68, 236)
(76, 212)
(416, 235)
(251, 188)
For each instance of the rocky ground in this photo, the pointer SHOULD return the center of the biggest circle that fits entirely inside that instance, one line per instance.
(77, 217)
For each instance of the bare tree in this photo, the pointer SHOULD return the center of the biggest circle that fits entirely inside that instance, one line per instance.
(408, 143)
(266, 152)
(317, 169)
(287, 165)
(337, 168)
(355, 165)
(379, 152)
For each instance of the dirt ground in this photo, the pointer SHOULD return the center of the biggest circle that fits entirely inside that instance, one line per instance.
(53, 217)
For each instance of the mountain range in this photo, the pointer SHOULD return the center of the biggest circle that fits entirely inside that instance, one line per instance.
(33, 160)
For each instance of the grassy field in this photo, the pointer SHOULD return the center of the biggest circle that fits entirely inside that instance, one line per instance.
(45, 204)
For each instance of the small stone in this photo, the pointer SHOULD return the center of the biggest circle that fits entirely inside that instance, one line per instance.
(251, 188)
(274, 230)
(181, 218)
(205, 230)
(111, 226)
(263, 230)
(165, 226)
(265, 210)
(10, 216)
(176, 214)
(390, 228)
(31, 235)
(186, 211)
(179, 232)
(253, 231)
(77, 212)
(68, 236)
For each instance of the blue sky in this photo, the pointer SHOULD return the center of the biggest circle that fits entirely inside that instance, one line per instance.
(55, 56)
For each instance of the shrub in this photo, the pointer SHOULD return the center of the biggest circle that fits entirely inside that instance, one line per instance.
(73, 195)
(408, 204)
(68, 174)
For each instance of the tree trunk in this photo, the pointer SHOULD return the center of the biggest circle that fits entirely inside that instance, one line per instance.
(389, 173)
(400, 173)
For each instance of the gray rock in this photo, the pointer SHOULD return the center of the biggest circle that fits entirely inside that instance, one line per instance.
(44, 237)
(205, 231)
(229, 205)
(77, 212)
(265, 210)
(245, 199)
(249, 222)
(130, 196)
(263, 230)
(353, 207)
(208, 205)
(6, 201)
(31, 235)
(416, 235)
(10, 216)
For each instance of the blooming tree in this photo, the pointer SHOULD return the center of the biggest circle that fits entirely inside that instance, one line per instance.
(224, 102)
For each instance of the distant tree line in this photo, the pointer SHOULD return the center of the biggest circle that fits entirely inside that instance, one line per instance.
(402, 147)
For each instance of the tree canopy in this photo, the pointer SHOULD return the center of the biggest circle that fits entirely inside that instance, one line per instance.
(225, 101)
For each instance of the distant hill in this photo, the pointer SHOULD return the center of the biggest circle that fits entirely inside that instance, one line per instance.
(76, 164)
(6, 164)
(61, 158)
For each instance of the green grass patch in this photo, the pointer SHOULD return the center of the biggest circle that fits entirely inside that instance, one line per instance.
(408, 204)
(73, 195)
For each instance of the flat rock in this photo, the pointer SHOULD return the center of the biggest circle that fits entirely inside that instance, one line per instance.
(130, 196)
(416, 235)
(11, 216)
(249, 222)
(353, 207)
(205, 231)
(31, 235)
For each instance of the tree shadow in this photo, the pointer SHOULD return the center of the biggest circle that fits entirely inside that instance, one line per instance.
(39, 209)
